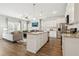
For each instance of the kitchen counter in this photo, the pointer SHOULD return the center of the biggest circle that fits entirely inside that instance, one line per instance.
(70, 44)
(35, 33)
(72, 35)
(36, 40)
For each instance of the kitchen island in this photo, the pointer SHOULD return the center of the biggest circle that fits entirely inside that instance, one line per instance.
(36, 40)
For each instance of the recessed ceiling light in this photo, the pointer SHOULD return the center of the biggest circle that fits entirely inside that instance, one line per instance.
(54, 12)
(40, 14)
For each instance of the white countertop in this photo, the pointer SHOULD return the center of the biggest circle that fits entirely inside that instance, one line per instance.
(35, 33)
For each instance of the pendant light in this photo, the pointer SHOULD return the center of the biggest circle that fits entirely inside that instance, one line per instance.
(34, 11)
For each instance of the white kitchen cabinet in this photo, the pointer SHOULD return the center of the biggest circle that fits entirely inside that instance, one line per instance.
(36, 40)
(70, 46)
(70, 12)
(52, 34)
(7, 35)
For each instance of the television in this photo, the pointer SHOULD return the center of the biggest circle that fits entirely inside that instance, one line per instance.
(67, 19)
(34, 24)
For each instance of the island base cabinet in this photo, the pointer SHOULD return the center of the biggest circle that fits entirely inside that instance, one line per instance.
(35, 42)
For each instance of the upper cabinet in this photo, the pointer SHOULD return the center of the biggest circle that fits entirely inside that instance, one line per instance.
(70, 12)
(76, 12)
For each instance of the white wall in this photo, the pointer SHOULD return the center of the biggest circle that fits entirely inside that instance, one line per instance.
(47, 23)
(51, 23)
(2, 24)
(2, 21)
(12, 23)
(24, 25)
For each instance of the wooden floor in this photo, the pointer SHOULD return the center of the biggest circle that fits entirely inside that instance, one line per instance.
(52, 48)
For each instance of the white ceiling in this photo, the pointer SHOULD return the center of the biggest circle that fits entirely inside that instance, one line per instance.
(20, 10)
